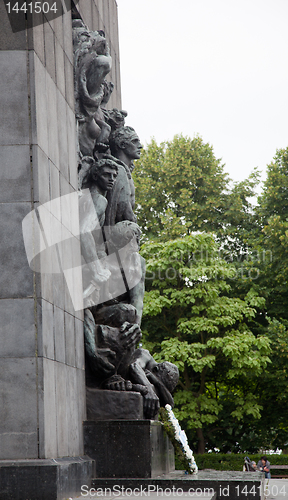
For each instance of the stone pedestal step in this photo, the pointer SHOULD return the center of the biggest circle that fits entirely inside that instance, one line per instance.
(128, 448)
(214, 485)
(44, 479)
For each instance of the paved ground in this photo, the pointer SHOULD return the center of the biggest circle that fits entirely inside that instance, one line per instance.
(276, 489)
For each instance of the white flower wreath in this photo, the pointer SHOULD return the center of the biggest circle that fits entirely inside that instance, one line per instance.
(181, 437)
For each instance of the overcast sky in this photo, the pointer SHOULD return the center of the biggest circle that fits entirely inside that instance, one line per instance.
(217, 68)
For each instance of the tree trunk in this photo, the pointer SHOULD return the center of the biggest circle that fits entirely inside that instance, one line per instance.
(201, 441)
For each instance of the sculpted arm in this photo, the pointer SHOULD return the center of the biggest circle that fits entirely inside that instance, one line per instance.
(151, 400)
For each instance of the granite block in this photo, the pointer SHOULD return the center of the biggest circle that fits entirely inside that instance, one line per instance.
(17, 328)
(113, 405)
(81, 391)
(46, 347)
(118, 86)
(79, 344)
(61, 375)
(126, 448)
(211, 485)
(49, 51)
(69, 339)
(58, 30)
(41, 175)
(106, 17)
(74, 295)
(14, 98)
(41, 105)
(100, 5)
(73, 421)
(15, 173)
(114, 26)
(111, 20)
(72, 153)
(67, 32)
(95, 17)
(73, 170)
(69, 82)
(59, 290)
(8, 39)
(18, 408)
(53, 124)
(38, 42)
(55, 188)
(40, 395)
(45, 479)
(63, 137)
(49, 447)
(60, 68)
(80, 313)
(49, 18)
(86, 11)
(46, 290)
(68, 248)
(66, 193)
(16, 276)
(65, 189)
(59, 334)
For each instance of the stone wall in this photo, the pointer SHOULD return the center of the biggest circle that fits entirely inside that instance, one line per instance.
(42, 379)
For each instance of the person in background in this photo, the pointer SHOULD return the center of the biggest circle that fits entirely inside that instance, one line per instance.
(264, 466)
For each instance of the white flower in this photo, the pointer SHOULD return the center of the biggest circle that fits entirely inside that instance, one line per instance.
(181, 437)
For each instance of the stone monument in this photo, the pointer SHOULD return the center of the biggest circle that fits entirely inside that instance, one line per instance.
(42, 366)
(123, 380)
(79, 396)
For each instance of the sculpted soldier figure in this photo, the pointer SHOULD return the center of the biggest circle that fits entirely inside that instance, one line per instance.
(114, 272)
(92, 62)
(128, 368)
(126, 146)
(98, 179)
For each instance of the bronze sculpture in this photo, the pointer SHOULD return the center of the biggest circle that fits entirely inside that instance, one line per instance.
(114, 272)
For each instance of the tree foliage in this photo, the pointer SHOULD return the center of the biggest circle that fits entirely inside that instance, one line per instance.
(216, 301)
(190, 319)
(273, 220)
(181, 187)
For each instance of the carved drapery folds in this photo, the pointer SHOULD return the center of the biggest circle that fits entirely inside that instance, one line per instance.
(113, 270)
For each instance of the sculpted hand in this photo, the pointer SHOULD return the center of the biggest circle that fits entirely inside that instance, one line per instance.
(100, 274)
(151, 404)
(117, 383)
(130, 335)
(101, 359)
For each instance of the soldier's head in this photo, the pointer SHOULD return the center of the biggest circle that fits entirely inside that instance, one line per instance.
(168, 373)
(126, 140)
(104, 173)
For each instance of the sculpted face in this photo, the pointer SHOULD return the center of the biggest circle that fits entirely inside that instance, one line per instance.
(133, 147)
(105, 178)
(99, 43)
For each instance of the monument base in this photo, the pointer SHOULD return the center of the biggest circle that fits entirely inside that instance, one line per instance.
(47, 479)
(113, 405)
(210, 485)
(128, 448)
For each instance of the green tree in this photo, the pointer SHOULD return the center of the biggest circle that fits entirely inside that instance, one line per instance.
(272, 388)
(273, 241)
(181, 187)
(190, 319)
